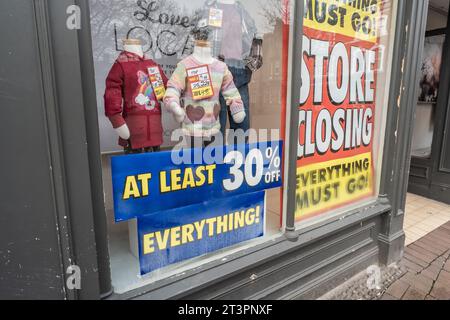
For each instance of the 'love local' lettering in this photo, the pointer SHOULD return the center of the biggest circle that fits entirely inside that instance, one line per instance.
(149, 11)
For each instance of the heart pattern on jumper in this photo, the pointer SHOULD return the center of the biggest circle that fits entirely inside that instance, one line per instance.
(195, 113)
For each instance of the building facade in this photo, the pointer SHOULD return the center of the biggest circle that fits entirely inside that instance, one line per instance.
(57, 200)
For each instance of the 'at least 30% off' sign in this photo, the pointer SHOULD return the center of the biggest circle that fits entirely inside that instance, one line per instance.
(147, 183)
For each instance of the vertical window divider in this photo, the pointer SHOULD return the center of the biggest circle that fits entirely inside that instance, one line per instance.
(292, 117)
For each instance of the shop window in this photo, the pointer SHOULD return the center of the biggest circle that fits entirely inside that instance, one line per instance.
(425, 119)
(245, 39)
(347, 56)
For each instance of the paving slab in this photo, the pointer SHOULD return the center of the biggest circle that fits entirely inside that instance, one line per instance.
(422, 274)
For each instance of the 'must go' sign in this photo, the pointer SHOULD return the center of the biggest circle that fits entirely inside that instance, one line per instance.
(340, 61)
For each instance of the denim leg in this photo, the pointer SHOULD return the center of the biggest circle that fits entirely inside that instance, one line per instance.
(223, 115)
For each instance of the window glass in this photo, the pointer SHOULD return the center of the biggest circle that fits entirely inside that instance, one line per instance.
(144, 101)
(346, 61)
(430, 79)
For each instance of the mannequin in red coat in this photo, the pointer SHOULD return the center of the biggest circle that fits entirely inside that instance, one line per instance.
(134, 88)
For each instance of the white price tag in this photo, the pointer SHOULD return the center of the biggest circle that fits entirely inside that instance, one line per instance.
(157, 82)
(215, 18)
(199, 80)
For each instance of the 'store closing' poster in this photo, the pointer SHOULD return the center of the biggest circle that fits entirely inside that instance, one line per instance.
(337, 104)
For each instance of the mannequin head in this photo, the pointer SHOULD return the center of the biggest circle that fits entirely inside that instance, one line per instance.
(202, 52)
(202, 47)
(202, 31)
(133, 46)
(203, 44)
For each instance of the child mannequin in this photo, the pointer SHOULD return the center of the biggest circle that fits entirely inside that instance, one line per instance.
(133, 46)
(235, 41)
(202, 53)
(133, 94)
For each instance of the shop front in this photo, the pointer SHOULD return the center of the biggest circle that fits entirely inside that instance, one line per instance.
(429, 174)
(204, 150)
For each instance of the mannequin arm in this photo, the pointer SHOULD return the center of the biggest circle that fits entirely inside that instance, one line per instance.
(233, 98)
(123, 132)
(175, 86)
(113, 101)
(178, 112)
(255, 60)
(238, 113)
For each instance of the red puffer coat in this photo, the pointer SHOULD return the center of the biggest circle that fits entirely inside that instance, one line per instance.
(130, 99)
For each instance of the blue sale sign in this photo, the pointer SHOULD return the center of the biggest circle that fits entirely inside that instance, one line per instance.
(155, 182)
(184, 233)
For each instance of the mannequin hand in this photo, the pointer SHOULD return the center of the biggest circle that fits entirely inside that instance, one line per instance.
(239, 117)
(178, 112)
(123, 132)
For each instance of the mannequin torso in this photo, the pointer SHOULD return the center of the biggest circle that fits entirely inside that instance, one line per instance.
(202, 53)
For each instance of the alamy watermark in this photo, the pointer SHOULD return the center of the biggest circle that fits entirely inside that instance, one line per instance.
(73, 21)
(234, 140)
(73, 281)
(374, 277)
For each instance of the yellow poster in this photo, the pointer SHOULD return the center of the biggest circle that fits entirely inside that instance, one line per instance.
(359, 19)
(337, 104)
(326, 185)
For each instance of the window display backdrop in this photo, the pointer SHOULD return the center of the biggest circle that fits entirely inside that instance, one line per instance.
(342, 103)
(165, 26)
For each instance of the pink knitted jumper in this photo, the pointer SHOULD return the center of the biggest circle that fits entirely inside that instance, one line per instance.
(202, 116)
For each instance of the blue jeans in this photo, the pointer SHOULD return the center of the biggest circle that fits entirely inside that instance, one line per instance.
(242, 78)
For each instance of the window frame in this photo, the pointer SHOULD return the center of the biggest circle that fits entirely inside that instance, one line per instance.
(177, 287)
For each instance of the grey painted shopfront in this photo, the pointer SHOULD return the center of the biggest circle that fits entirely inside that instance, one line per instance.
(52, 198)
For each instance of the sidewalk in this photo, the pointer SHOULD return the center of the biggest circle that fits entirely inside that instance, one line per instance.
(422, 216)
(427, 262)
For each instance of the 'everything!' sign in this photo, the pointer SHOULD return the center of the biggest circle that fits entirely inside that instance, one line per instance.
(188, 232)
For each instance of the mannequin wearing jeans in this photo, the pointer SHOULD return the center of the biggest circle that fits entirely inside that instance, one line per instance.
(242, 78)
(237, 44)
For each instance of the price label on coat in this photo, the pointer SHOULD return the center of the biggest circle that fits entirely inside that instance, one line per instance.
(215, 18)
(200, 82)
(157, 82)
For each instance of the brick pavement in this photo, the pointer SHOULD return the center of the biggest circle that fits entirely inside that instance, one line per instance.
(427, 262)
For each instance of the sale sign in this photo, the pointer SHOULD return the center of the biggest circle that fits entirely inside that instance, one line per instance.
(187, 232)
(191, 202)
(154, 182)
(337, 104)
